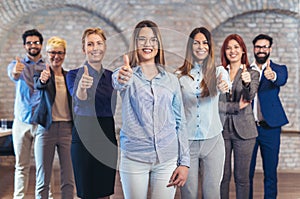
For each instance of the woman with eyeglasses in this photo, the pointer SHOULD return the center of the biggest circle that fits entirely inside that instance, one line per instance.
(152, 139)
(54, 118)
(94, 145)
(236, 115)
(201, 83)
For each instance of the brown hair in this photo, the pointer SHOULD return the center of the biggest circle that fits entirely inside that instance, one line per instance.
(209, 81)
(132, 54)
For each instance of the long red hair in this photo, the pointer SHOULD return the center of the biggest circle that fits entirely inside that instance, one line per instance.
(240, 41)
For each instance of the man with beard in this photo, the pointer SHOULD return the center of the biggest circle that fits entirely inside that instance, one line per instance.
(21, 72)
(269, 114)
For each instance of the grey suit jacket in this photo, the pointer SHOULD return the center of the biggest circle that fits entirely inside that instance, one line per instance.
(242, 119)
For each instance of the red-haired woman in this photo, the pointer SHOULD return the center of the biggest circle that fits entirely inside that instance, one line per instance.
(239, 129)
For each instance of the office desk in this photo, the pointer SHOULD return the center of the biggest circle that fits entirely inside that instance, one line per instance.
(5, 132)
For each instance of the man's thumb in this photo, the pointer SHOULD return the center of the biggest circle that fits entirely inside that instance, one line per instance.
(18, 59)
(268, 67)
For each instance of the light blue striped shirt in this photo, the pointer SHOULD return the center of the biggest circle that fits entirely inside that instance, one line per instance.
(154, 125)
(202, 114)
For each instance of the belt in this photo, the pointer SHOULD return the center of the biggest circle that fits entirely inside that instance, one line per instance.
(261, 123)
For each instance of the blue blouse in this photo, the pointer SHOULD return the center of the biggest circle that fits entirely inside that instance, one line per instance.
(100, 101)
(154, 125)
(202, 113)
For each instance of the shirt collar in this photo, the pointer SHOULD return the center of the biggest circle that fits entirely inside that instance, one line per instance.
(255, 67)
(93, 71)
(28, 60)
(138, 69)
(228, 67)
(197, 66)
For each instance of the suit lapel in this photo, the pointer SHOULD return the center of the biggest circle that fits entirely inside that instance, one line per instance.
(263, 81)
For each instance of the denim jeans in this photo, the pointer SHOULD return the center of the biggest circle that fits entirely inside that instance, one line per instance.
(135, 177)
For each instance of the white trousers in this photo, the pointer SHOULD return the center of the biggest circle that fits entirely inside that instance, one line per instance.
(136, 176)
(23, 137)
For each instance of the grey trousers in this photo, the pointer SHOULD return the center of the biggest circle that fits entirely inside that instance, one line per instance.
(242, 153)
(59, 137)
(211, 153)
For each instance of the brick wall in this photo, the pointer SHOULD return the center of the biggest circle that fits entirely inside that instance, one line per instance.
(68, 18)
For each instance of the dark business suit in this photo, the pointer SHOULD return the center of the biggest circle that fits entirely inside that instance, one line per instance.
(269, 132)
(239, 133)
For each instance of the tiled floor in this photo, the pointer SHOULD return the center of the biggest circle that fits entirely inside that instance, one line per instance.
(289, 185)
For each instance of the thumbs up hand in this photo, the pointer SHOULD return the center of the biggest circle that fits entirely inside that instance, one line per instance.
(18, 68)
(246, 77)
(86, 80)
(45, 74)
(222, 84)
(125, 72)
(269, 73)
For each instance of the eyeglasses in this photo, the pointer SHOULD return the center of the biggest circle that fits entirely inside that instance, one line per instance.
(29, 43)
(53, 53)
(262, 47)
(143, 40)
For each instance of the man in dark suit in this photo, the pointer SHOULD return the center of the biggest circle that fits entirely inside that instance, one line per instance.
(268, 113)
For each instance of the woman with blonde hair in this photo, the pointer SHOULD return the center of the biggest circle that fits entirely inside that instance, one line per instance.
(54, 119)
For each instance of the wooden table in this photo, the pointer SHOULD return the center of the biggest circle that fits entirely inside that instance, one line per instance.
(5, 132)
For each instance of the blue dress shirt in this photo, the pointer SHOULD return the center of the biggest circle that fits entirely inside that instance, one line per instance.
(27, 98)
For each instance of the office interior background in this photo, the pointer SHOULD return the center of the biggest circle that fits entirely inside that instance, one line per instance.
(176, 19)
